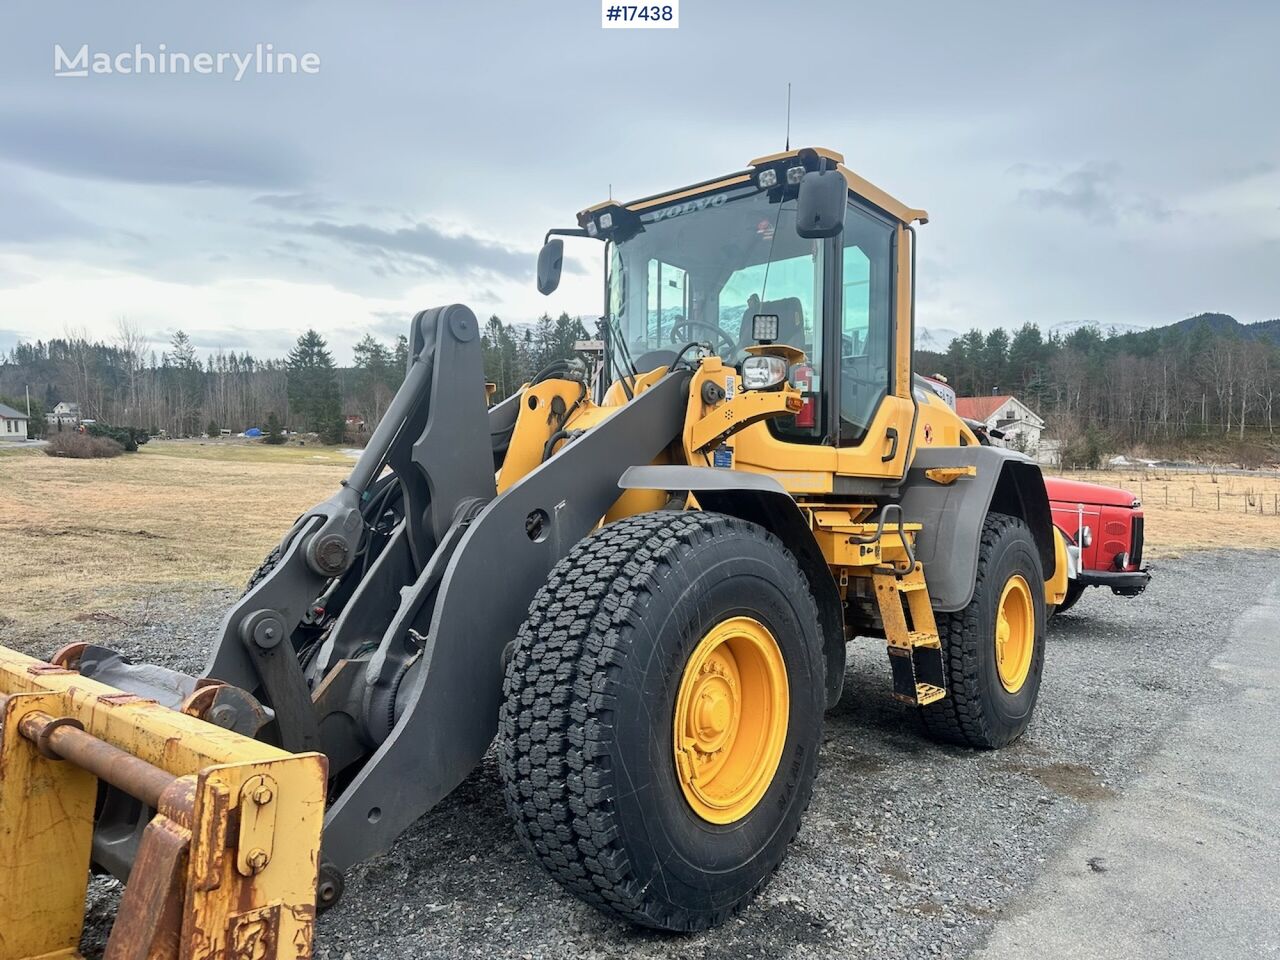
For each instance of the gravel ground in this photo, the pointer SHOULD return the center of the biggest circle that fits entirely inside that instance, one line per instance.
(909, 849)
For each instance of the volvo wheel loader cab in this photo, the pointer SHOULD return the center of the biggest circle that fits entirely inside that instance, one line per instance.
(640, 573)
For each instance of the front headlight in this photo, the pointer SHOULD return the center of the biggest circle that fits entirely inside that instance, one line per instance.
(760, 373)
(1086, 537)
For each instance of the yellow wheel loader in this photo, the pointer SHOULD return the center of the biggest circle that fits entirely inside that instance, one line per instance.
(639, 572)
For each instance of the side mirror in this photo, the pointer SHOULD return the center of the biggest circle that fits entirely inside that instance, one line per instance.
(550, 263)
(824, 195)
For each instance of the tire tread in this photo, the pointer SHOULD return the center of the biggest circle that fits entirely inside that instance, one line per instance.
(555, 723)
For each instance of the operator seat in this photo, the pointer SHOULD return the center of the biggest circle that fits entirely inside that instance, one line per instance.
(790, 315)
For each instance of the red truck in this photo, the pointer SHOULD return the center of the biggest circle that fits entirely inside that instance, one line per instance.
(1104, 526)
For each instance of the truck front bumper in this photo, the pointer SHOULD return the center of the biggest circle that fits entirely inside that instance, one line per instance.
(1124, 583)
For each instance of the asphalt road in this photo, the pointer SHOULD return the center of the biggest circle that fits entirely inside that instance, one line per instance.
(1186, 864)
(1133, 819)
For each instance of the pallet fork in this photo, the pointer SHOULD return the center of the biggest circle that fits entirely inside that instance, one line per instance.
(226, 864)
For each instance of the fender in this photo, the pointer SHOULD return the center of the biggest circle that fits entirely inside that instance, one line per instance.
(762, 500)
(951, 514)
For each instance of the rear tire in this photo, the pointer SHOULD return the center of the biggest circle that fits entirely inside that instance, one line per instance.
(980, 710)
(587, 732)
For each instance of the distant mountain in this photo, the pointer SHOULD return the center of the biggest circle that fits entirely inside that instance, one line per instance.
(1225, 325)
(935, 339)
(1069, 326)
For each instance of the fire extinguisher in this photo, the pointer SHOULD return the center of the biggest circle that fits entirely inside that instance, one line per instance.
(802, 378)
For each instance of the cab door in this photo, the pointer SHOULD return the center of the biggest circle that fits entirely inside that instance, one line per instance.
(871, 401)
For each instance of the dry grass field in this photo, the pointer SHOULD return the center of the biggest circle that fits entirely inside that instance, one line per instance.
(82, 536)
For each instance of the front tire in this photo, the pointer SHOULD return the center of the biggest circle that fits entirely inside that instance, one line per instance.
(993, 649)
(627, 699)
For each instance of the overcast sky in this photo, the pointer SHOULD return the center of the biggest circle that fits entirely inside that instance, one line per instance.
(1110, 162)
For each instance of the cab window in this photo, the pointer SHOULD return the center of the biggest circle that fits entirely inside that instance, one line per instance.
(667, 300)
(866, 332)
(791, 289)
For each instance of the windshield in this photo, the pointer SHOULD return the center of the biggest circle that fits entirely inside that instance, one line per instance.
(700, 270)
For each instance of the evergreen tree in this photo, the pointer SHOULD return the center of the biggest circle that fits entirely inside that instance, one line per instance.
(995, 361)
(186, 378)
(1026, 355)
(312, 383)
(275, 432)
(375, 373)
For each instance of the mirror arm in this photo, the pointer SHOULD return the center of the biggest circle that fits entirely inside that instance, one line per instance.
(565, 232)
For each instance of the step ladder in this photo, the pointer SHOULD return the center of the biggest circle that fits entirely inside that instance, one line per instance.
(915, 649)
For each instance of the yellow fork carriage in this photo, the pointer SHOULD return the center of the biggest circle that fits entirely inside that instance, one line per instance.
(226, 866)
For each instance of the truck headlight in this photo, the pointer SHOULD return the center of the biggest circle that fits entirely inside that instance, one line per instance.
(1086, 537)
(1122, 559)
(760, 373)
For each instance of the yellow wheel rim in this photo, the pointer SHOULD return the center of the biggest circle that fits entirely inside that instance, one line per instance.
(731, 719)
(1015, 633)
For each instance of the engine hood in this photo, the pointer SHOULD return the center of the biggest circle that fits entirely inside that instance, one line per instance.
(1078, 491)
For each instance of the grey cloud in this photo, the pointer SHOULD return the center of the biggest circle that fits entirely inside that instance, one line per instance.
(1091, 193)
(1082, 192)
(101, 147)
(390, 323)
(421, 248)
(28, 217)
(295, 202)
(234, 338)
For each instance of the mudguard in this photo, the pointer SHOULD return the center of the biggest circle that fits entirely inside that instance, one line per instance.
(762, 500)
(951, 514)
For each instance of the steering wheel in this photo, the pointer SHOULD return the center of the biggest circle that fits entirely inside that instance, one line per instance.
(682, 332)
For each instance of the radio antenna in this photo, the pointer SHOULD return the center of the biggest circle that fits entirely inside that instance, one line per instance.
(788, 146)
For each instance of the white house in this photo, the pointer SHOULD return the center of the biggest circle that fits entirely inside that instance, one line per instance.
(1020, 424)
(65, 413)
(13, 425)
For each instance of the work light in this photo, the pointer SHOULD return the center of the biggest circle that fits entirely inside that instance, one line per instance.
(764, 327)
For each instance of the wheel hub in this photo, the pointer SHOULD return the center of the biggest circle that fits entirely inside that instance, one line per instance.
(1015, 633)
(730, 719)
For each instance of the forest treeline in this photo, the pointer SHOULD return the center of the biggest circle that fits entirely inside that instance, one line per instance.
(124, 381)
(1207, 376)
(1204, 376)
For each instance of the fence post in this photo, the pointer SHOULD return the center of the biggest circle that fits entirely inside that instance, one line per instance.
(1193, 496)
(1219, 492)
